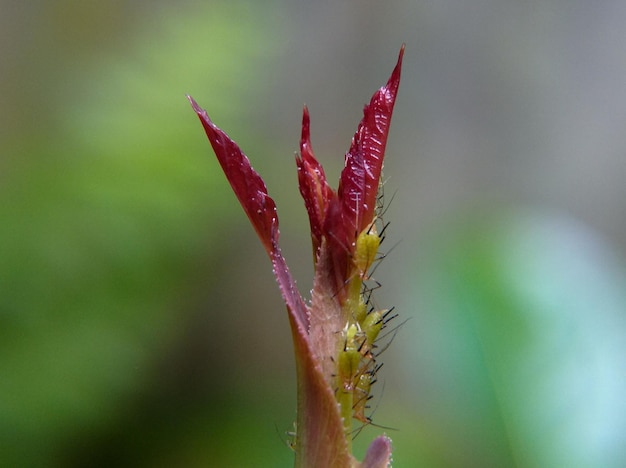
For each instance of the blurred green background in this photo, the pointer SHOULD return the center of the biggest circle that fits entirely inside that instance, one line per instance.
(140, 323)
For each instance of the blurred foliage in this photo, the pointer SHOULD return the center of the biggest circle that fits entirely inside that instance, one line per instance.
(107, 240)
(518, 358)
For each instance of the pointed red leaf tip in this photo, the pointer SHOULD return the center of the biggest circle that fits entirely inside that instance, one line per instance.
(245, 181)
(358, 185)
(258, 205)
(313, 185)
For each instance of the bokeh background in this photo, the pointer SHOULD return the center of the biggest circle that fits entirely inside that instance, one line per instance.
(140, 324)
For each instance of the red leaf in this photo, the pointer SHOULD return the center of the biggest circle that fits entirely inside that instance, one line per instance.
(364, 160)
(245, 181)
(313, 185)
(258, 205)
